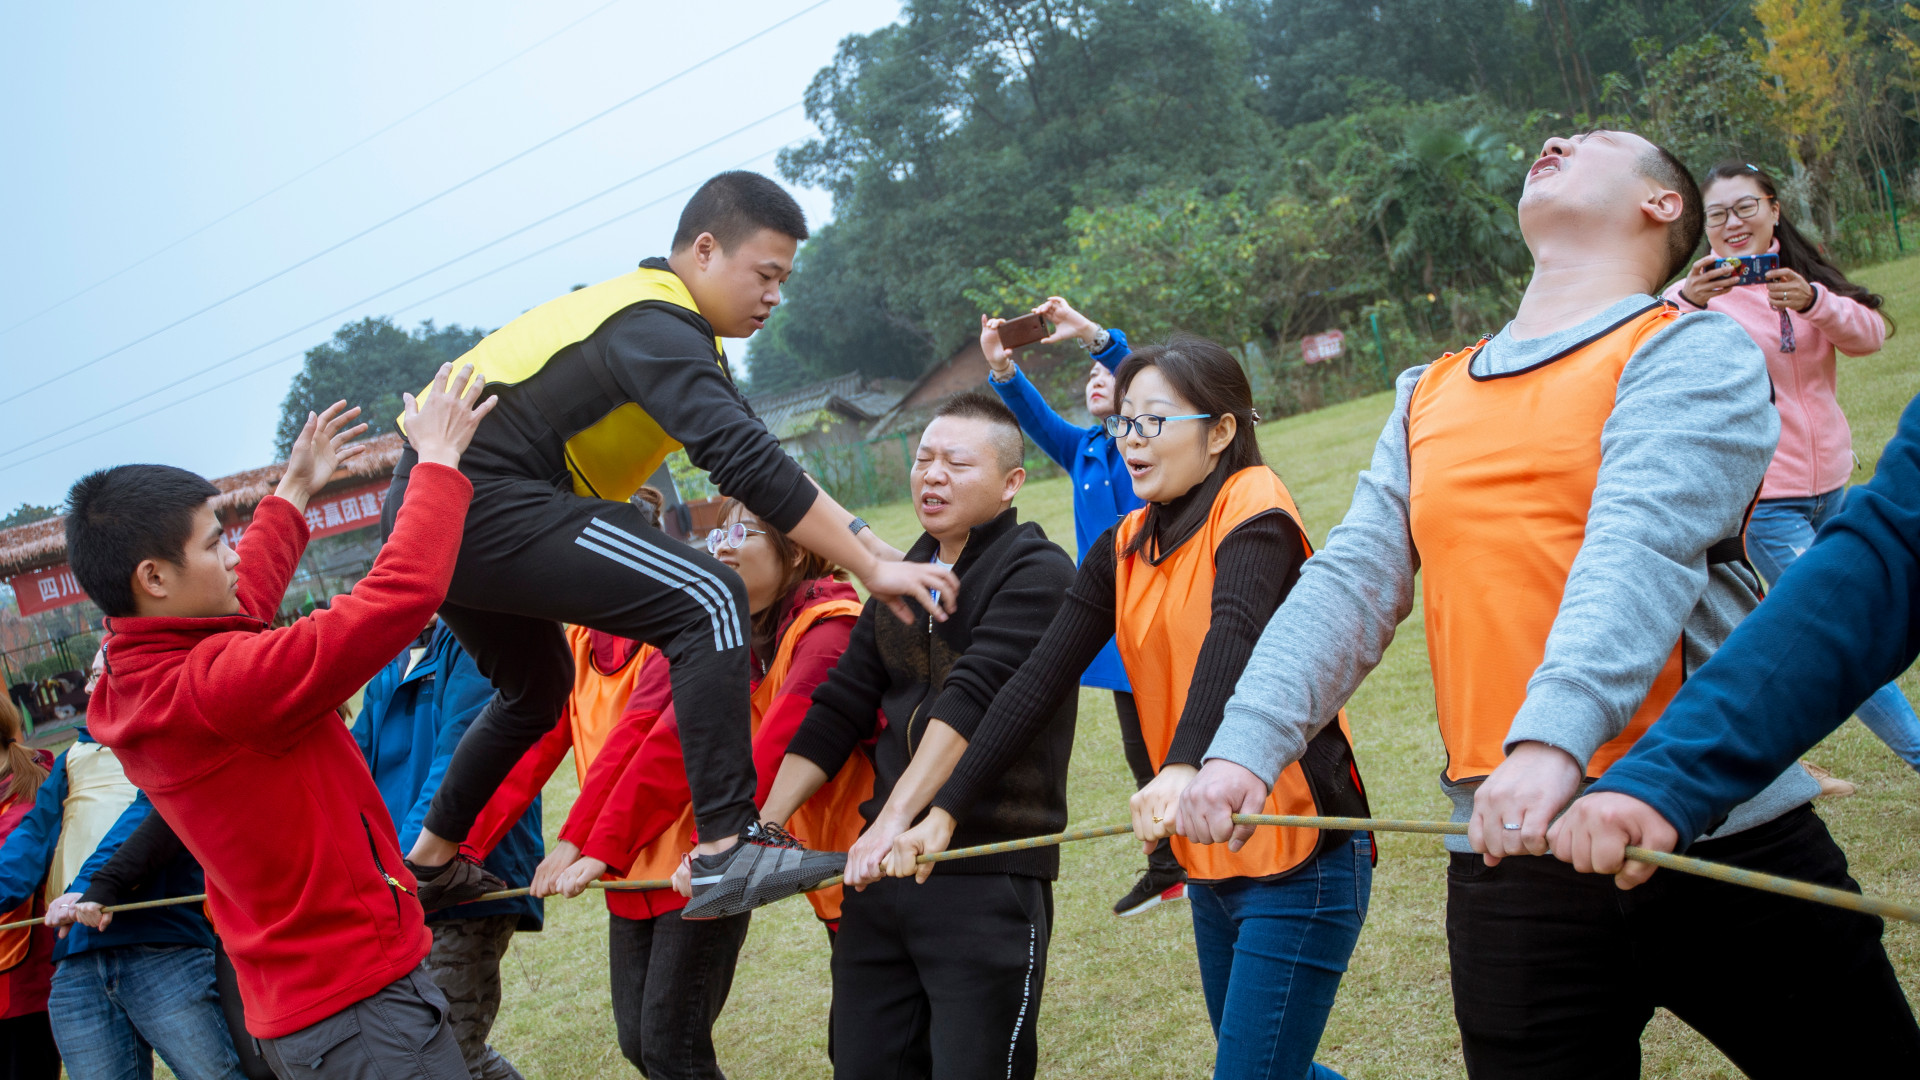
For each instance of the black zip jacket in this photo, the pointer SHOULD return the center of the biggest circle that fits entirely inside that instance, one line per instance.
(662, 358)
(1012, 580)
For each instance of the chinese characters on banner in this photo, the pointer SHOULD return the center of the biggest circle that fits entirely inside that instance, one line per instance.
(1322, 346)
(44, 590)
(55, 587)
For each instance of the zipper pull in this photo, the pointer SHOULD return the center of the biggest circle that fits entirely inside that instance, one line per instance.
(395, 882)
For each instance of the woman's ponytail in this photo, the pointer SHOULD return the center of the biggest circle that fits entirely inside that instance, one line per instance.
(22, 769)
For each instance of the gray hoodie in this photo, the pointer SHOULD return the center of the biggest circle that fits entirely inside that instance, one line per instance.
(1692, 430)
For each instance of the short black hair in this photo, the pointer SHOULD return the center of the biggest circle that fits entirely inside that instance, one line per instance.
(1683, 235)
(735, 205)
(118, 518)
(1009, 447)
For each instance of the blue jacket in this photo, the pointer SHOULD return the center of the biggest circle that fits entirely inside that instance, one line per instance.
(1843, 621)
(1102, 487)
(28, 853)
(407, 729)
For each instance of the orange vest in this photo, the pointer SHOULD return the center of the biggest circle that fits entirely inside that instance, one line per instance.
(1503, 471)
(1162, 614)
(16, 944)
(829, 821)
(598, 697)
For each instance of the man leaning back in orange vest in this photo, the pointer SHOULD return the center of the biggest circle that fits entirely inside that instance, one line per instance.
(1572, 492)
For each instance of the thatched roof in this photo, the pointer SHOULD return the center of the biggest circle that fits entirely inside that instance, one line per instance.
(44, 543)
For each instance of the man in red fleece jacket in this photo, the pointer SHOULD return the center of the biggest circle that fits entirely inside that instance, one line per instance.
(230, 727)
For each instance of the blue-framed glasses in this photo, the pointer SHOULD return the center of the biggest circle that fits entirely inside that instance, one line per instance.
(1148, 426)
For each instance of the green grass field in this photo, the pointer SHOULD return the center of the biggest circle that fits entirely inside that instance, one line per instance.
(1123, 996)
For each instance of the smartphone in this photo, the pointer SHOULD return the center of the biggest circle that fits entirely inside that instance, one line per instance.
(1024, 330)
(1753, 268)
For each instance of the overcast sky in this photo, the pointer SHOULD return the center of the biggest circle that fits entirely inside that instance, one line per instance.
(127, 127)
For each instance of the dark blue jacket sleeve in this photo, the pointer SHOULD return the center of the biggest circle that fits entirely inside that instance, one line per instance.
(28, 852)
(123, 826)
(1055, 437)
(462, 692)
(1843, 621)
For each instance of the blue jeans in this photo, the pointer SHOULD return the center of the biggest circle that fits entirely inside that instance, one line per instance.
(1271, 957)
(1780, 532)
(112, 1008)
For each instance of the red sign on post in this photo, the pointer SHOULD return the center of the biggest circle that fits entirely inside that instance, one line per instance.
(1322, 346)
(334, 514)
(43, 590)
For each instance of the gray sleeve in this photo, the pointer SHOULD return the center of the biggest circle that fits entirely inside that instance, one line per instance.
(1338, 620)
(1692, 431)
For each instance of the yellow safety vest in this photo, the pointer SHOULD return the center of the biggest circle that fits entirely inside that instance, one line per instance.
(609, 457)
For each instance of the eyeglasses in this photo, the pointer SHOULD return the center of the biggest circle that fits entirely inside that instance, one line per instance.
(731, 537)
(1148, 426)
(1742, 209)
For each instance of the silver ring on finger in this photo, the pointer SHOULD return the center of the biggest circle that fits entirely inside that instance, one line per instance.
(1510, 826)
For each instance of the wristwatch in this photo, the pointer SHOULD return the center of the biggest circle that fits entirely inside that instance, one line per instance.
(1099, 343)
(856, 525)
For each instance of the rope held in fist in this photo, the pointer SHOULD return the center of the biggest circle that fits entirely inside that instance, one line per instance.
(1731, 875)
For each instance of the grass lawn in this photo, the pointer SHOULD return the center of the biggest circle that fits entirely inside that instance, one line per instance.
(1123, 996)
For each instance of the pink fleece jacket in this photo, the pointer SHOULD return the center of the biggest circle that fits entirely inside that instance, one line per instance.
(1816, 446)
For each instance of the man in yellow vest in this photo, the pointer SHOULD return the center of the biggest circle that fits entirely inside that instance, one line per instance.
(594, 390)
(1569, 496)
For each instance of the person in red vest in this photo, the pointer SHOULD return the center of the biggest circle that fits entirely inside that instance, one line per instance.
(27, 1050)
(1184, 586)
(634, 816)
(230, 726)
(1568, 497)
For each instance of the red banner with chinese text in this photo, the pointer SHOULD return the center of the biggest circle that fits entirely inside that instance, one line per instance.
(44, 590)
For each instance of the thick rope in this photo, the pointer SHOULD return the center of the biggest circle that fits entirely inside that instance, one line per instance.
(1731, 875)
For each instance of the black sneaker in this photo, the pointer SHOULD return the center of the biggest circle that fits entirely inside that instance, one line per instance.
(460, 881)
(767, 864)
(1155, 887)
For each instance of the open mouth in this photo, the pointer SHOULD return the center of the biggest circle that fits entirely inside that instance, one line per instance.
(932, 503)
(1542, 167)
(1739, 239)
(1139, 466)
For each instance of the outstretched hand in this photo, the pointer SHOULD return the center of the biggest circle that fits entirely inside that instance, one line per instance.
(440, 426)
(999, 357)
(319, 449)
(1597, 829)
(1067, 323)
(934, 588)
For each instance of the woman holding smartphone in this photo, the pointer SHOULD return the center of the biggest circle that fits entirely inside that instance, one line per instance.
(1803, 313)
(1185, 586)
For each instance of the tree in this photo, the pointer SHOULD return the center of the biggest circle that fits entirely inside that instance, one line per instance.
(369, 363)
(27, 513)
(1807, 49)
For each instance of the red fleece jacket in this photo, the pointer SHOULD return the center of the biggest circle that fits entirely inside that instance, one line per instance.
(229, 726)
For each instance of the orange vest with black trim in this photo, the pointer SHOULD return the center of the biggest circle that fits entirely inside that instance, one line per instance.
(1503, 470)
(829, 821)
(598, 697)
(1162, 614)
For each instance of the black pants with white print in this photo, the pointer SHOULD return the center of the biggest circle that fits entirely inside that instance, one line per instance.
(941, 979)
(534, 557)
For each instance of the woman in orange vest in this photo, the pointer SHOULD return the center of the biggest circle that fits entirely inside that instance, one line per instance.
(1185, 586)
(671, 976)
(27, 1051)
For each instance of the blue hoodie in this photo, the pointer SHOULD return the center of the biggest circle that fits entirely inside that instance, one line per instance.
(407, 729)
(1843, 621)
(28, 853)
(1102, 486)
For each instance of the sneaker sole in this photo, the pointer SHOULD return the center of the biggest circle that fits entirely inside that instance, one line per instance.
(1158, 899)
(728, 897)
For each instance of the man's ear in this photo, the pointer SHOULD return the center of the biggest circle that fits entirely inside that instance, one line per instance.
(1663, 207)
(703, 250)
(1012, 485)
(151, 579)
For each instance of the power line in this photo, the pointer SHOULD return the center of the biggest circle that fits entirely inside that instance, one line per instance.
(495, 242)
(416, 206)
(285, 184)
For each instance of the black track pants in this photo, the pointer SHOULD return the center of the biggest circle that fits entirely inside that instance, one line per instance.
(1556, 973)
(534, 557)
(940, 981)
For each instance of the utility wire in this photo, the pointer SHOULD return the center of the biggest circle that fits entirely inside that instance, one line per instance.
(416, 206)
(425, 273)
(289, 182)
